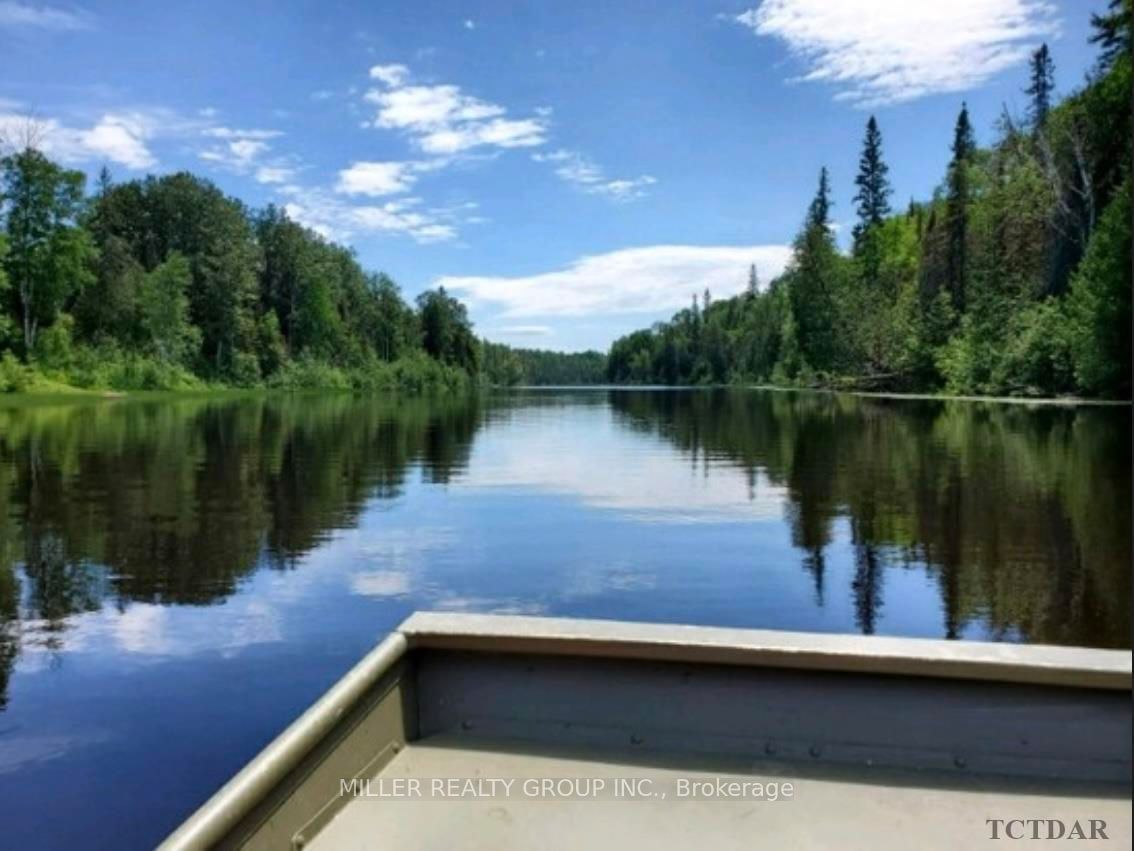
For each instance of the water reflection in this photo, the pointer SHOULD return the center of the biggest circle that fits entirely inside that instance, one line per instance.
(1014, 520)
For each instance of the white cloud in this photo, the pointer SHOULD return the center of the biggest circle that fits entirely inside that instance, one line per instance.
(377, 178)
(631, 280)
(118, 138)
(543, 454)
(243, 151)
(888, 51)
(470, 24)
(443, 120)
(335, 219)
(583, 172)
(391, 75)
(232, 133)
(25, 15)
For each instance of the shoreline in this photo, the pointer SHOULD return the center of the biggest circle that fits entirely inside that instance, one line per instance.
(1057, 401)
(59, 393)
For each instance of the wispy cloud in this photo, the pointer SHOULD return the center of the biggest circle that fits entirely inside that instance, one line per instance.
(247, 151)
(581, 171)
(235, 133)
(274, 174)
(120, 138)
(888, 51)
(442, 119)
(27, 16)
(336, 219)
(631, 280)
(520, 331)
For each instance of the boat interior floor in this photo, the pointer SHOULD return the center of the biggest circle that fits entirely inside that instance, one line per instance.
(656, 802)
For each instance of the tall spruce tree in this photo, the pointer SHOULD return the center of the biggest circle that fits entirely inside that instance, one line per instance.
(814, 281)
(1041, 86)
(957, 208)
(873, 198)
(872, 203)
(819, 212)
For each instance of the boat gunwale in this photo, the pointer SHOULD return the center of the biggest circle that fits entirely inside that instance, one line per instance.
(1069, 667)
(1049, 665)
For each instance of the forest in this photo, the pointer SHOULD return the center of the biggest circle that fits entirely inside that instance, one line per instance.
(1013, 279)
(166, 283)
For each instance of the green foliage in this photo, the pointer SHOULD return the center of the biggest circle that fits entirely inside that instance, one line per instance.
(447, 334)
(504, 366)
(173, 285)
(1009, 281)
(1099, 304)
(49, 257)
(164, 312)
(15, 377)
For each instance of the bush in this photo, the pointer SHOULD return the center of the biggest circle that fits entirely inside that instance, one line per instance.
(1035, 359)
(309, 374)
(109, 368)
(15, 377)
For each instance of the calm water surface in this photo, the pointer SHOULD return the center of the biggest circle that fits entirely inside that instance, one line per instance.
(178, 579)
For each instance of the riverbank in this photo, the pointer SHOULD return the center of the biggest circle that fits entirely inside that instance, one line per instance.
(114, 378)
(1058, 401)
(49, 391)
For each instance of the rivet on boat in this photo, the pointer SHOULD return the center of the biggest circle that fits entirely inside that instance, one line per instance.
(770, 748)
(636, 740)
(815, 751)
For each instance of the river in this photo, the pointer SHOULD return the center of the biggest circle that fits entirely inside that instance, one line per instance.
(180, 577)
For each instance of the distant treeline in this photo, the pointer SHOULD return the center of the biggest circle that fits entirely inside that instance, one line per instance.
(167, 283)
(506, 366)
(1014, 278)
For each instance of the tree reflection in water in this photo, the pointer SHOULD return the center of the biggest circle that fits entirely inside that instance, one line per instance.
(1019, 514)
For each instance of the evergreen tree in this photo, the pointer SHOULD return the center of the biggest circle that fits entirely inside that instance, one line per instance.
(872, 201)
(957, 208)
(819, 211)
(1041, 86)
(1112, 32)
(753, 282)
(873, 198)
(814, 282)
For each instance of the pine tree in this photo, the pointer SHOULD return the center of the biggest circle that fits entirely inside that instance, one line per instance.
(1041, 86)
(753, 282)
(873, 198)
(956, 208)
(819, 213)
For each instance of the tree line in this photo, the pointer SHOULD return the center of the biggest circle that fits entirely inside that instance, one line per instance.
(1013, 279)
(508, 367)
(167, 283)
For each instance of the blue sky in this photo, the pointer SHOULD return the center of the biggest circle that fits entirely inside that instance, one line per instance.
(571, 170)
